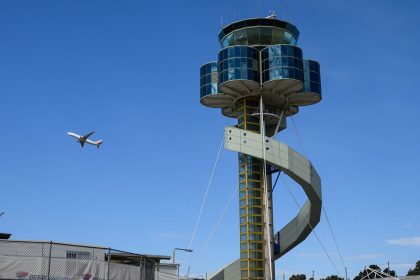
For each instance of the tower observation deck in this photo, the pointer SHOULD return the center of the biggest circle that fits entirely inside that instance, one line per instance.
(261, 78)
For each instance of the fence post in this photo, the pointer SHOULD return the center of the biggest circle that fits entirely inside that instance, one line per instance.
(49, 261)
(109, 260)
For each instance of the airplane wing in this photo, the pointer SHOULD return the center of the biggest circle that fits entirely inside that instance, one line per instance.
(82, 144)
(88, 135)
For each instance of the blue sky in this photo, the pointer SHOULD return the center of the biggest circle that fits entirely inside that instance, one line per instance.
(130, 71)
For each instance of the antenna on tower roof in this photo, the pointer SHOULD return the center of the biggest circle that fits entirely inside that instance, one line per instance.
(272, 14)
(234, 10)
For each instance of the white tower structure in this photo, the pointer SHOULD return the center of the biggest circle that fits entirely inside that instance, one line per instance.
(261, 78)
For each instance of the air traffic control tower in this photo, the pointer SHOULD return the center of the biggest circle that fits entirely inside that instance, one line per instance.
(261, 78)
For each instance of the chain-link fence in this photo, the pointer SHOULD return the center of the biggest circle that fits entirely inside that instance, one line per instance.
(58, 261)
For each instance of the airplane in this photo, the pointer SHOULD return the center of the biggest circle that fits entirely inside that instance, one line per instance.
(84, 139)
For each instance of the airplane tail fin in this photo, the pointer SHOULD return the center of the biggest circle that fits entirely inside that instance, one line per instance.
(98, 143)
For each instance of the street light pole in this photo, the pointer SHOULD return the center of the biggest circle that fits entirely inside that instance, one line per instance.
(179, 249)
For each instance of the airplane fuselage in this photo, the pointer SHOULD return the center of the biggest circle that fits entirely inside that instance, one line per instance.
(84, 139)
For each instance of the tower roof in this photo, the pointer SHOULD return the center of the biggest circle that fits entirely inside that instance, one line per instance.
(234, 33)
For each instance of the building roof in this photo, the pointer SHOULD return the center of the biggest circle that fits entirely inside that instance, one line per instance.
(169, 264)
(116, 254)
(133, 256)
(252, 22)
(5, 235)
(54, 242)
(413, 277)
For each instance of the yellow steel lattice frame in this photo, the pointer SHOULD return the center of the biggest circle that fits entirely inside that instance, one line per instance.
(251, 205)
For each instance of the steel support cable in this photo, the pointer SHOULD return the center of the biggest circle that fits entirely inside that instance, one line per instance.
(298, 136)
(323, 208)
(313, 230)
(204, 201)
(215, 227)
(333, 235)
(205, 195)
(275, 183)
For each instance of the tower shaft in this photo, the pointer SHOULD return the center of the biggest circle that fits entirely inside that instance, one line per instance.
(256, 226)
